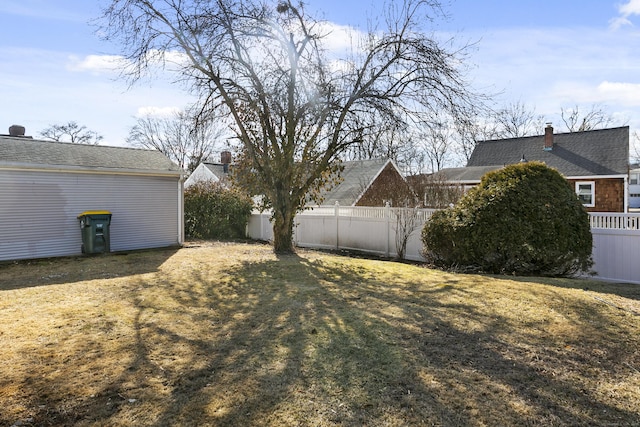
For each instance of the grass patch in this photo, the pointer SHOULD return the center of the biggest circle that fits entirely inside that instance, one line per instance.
(231, 334)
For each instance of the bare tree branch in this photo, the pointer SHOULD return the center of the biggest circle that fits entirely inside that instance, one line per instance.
(71, 132)
(577, 120)
(517, 120)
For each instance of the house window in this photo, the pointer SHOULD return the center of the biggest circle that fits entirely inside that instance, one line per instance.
(586, 191)
(634, 178)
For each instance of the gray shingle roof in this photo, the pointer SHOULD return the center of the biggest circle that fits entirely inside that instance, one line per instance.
(218, 170)
(357, 176)
(470, 174)
(589, 153)
(29, 153)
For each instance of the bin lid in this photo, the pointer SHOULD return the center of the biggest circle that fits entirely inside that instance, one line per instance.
(85, 213)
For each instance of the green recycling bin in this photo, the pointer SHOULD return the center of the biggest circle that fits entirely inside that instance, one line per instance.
(94, 226)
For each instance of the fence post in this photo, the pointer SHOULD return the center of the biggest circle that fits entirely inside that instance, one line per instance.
(336, 210)
(387, 214)
(263, 235)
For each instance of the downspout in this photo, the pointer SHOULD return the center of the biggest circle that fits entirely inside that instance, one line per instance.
(181, 210)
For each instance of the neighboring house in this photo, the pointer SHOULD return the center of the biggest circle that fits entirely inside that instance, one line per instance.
(634, 186)
(595, 162)
(211, 172)
(369, 183)
(45, 185)
(445, 187)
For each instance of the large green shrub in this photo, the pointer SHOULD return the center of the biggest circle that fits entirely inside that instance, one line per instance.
(212, 211)
(523, 219)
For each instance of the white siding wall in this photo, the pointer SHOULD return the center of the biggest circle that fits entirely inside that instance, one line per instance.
(634, 196)
(38, 211)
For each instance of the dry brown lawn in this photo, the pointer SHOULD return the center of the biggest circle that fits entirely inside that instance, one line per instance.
(220, 334)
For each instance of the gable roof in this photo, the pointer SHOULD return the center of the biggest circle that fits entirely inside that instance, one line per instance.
(357, 176)
(214, 172)
(27, 153)
(576, 154)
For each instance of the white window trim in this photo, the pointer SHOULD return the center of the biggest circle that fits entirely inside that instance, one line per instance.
(593, 192)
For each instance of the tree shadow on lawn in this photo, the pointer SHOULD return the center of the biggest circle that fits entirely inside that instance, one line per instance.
(64, 270)
(300, 341)
(625, 290)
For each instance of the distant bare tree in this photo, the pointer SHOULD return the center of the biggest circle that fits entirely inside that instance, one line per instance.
(71, 132)
(469, 133)
(437, 144)
(517, 120)
(577, 120)
(435, 191)
(180, 137)
(374, 137)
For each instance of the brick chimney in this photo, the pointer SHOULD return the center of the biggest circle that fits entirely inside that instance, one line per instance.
(225, 159)
(548, 137)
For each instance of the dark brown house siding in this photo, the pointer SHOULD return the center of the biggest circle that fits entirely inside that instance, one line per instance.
(389, 186)
(609, 194)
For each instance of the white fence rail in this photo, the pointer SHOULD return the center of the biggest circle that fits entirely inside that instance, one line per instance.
(614, 221)
(616, 236)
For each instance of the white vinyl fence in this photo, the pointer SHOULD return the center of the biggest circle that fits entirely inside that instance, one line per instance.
(616, 236)
(616, 246)
(368, 229)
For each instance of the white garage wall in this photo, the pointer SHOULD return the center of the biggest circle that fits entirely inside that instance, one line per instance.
(39, 209)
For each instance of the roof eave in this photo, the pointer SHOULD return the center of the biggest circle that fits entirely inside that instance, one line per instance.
(87, 169)
(624, 175)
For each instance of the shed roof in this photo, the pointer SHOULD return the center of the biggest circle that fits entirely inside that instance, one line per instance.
(27, 153)
(588, 153)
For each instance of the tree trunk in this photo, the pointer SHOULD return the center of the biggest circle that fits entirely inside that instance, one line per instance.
(283, 230)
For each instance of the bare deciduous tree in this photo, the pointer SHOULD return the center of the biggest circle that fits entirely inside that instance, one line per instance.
(577, 120)
(470, 132)
(517, 120)
(294, 108)
(376, 138)
(180, 137)
(435, 190)
(71, 132)
(437, 144)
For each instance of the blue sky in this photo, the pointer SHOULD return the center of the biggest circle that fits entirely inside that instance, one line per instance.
(547, 54)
